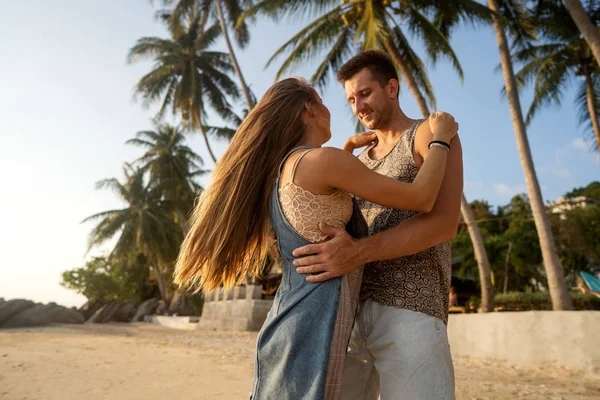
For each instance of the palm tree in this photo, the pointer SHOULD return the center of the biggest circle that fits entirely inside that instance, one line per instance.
(349, 27)
(186, 76)
(556, 281)
(143, 226)
(172, 166)
(227, 12)
(483, 263)
(588, 29)
(563, 57)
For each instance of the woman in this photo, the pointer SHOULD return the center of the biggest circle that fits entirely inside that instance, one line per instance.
(276, 177)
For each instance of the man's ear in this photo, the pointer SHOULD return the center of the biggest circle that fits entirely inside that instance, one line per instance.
(393, 87)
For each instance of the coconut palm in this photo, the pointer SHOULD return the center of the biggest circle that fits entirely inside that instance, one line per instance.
(340, 30)
(172, 166)
(143, 226)
(227, 13)
(562, 58)
(556, 281)
(586, 25)
(186, 76)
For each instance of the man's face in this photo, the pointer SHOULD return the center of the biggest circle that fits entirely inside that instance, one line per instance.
(370, 102)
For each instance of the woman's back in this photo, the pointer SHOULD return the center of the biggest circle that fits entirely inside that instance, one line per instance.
(304, 210)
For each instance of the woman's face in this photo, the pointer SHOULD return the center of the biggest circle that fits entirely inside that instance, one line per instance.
(321, 120)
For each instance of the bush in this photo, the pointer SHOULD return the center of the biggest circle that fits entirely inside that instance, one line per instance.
(107, 280)
(526, 301)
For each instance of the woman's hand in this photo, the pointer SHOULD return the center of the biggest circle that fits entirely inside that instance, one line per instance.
(442, 126)
(358, 141)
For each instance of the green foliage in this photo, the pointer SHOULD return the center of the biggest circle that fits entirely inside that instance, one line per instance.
(559, 60)
(591, 191)
(527, 301)
(577, 235)
(101, 279)
(341, 29)
(187, 77)
(143, 226)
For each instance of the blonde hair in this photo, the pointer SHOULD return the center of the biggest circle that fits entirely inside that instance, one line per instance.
(230, 227)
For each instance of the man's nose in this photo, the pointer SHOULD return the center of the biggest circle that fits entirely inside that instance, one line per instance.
(361, 106)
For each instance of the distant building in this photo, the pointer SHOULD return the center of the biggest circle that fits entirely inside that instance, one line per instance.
(564, 204)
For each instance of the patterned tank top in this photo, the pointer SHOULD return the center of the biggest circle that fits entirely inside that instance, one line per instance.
(420, 282)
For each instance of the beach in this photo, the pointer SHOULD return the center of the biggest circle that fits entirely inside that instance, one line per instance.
(144, 361)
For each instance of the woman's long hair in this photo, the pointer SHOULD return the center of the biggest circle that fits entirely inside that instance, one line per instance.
(230, 227)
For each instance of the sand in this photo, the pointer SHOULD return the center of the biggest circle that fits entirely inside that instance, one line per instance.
(142, 361)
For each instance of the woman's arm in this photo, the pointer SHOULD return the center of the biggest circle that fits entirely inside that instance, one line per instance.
(339, 169)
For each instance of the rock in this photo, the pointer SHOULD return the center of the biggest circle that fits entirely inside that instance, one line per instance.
(90, 308)
(146, 308)
(13, 307)
(182, 305)
(161, 309)
(125, 312)
(176, 303)
(41, 314)
(105, 313)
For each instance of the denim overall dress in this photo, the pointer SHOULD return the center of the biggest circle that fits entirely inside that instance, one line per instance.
(294, 342)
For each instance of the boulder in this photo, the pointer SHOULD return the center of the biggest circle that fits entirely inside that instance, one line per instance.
(161, 309)
(182, 305)
(105, 313)
(125, 312)
(176, 303)
(13, 307)
(146, 308)
(41, 314)
(90, 308)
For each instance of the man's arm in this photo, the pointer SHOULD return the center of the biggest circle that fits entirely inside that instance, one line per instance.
(342, 254)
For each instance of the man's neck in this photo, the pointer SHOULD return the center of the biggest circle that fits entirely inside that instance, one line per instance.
(397, 125)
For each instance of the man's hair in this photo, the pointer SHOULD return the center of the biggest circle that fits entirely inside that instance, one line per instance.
(379, 63)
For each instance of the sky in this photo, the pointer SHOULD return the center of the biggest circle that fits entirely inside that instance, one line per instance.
(67, 108)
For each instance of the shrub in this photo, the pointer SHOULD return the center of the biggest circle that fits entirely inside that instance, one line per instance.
(526, 301)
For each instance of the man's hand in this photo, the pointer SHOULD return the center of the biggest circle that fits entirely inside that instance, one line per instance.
(338, 256)
(358, 141)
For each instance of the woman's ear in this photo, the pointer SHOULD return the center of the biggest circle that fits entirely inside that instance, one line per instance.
(309, 110)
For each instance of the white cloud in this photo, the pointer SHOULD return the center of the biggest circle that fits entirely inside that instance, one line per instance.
(580, 144)
(509, 191)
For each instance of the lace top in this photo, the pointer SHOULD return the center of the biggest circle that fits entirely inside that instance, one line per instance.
(304, 209)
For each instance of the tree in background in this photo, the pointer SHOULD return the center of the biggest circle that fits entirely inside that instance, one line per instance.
(188, 77)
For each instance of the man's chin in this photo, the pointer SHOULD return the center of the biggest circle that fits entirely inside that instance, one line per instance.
(371, 125)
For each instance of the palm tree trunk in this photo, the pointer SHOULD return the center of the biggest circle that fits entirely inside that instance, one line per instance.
(234, 62)
(487, 295)
(506, 262)
(556, 280)
(586, 27)
(182, 222)
(487, 291)
(162, 287)
(203, 133)
(410, 80)
(589, 89)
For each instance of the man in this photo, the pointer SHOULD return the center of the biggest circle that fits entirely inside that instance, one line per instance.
(399, 346)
